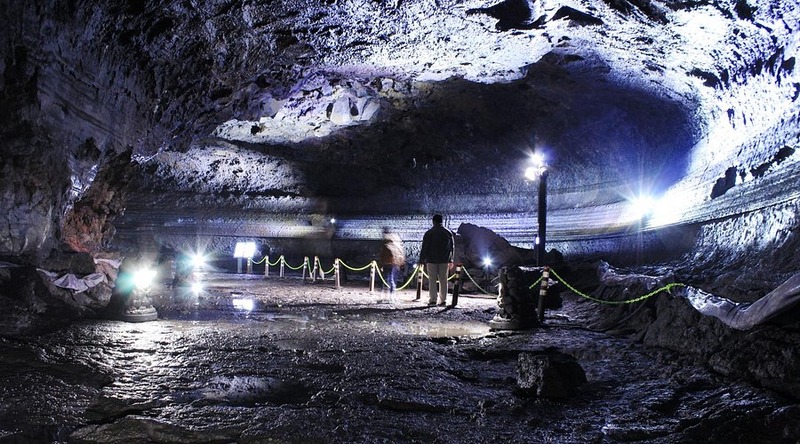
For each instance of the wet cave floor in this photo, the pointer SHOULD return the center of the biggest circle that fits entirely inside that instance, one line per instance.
(313, 364)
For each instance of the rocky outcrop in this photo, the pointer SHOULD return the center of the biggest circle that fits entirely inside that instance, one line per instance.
(669, 320)
(35, 300)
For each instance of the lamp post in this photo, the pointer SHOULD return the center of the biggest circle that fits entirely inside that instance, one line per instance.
(539, 171)
(542, 218)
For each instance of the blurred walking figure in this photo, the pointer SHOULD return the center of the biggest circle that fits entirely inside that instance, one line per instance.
(391, 257)
(437, 254)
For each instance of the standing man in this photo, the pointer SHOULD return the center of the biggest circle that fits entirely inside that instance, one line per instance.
(437, 254)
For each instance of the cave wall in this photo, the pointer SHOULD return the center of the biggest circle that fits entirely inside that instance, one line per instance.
(70, 107)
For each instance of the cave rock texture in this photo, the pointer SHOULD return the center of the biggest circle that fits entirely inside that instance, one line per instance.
(131, 128)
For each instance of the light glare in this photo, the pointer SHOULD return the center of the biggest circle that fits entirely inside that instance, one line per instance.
(642, 206)
(243, 304)
(143, 278)
(532, 173)
(538, 159)
(538, 168)
(198, 260)
(244, 249)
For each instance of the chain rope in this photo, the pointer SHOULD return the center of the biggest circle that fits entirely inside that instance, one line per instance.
(410, 278)
(473, 281)
(297, 267)
(355, 269)
(666, 288)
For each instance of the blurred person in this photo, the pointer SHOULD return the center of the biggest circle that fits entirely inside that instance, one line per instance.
(391, 257)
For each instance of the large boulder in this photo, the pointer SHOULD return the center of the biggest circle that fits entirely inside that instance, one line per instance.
(478, 243)
(33, 300)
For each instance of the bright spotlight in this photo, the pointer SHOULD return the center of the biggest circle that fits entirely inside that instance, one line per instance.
(197, 288)
(487, 262)
(642, 206)
(243, 304)
(143, 278)
(333, 220)
(244, 249)
(538, 159)
(198, 260)
(538, 168)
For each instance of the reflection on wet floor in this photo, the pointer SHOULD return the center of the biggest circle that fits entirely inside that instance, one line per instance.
(253, 304)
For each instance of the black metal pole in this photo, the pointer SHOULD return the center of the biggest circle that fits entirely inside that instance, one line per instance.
(542, 218)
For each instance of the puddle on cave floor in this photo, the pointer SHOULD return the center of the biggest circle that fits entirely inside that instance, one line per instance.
(310, 363)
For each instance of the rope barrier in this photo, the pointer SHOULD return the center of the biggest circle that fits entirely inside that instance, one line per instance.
(356, 269)
(666, 288)
(281, 260)
(410, 278)
(297, 267)
(380, 275)
(449, 278)
(475, 283)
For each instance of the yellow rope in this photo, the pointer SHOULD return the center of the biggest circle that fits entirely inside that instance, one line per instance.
(356, 269)
(666, 288)
(277, 261)
(450, 278)
(297, 267)
(536, 283)
(473, 281)
(380, 275)
(402, 287)
(261, 261)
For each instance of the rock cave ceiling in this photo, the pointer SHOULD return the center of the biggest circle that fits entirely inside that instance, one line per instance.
(241, 115)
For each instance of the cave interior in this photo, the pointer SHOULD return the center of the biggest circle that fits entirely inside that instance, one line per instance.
(138, 130)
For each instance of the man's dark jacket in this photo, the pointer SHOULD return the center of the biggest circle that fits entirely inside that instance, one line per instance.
(437, 246)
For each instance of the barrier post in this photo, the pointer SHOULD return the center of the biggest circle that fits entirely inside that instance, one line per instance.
(249, 265)
(420, 267)
(456, 285)
(372, 276)
(419, 280)
(321, 271)
(266, 266)
(283, 262)
(543, 291)
(314, 270)
(305, 267)
(336, 273)
(239, 265)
